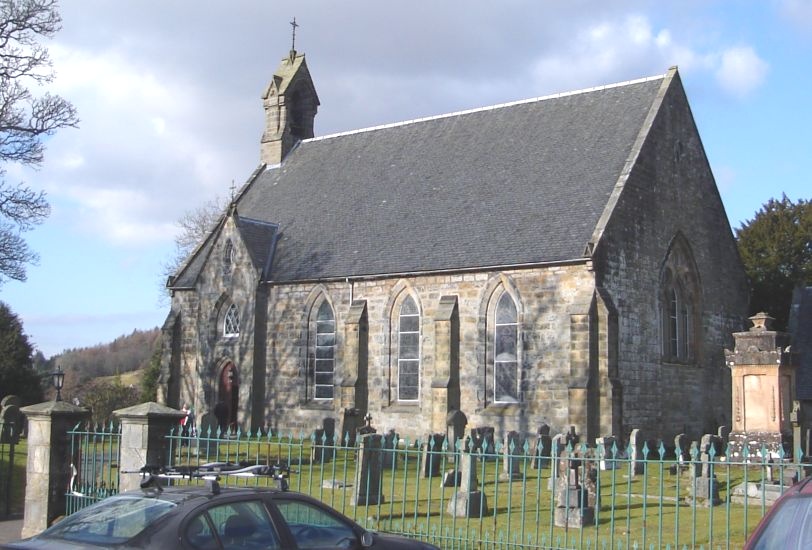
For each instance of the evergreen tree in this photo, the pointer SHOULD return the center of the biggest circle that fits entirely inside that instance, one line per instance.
(17, 375)
(776, 248)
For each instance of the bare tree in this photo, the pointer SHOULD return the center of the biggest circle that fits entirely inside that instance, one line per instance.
(25, 119)
(194, 226)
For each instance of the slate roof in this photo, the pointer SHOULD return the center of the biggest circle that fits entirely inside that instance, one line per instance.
(516, 184)
(258, 236)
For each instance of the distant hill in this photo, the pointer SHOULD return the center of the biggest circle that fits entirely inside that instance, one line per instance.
(124, 354)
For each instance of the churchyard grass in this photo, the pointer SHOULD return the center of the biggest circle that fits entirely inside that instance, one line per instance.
(649, 509)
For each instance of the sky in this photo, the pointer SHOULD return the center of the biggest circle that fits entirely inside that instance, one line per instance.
(168, 96)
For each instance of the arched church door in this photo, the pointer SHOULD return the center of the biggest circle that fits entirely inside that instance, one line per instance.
(229, 398)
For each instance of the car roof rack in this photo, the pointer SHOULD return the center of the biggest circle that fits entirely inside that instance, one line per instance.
(211, 472)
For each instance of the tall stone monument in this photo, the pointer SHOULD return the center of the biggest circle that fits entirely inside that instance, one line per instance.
(763, 381)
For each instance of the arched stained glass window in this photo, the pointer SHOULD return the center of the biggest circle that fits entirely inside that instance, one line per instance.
(324, 367)
(505, 352)
(408, 351)
(231, 321)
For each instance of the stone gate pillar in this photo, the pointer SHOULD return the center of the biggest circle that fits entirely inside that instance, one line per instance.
(48, 469)
(763, 384)
(144, 429)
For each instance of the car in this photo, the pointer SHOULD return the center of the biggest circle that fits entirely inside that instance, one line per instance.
(211, 517)
(788, 523)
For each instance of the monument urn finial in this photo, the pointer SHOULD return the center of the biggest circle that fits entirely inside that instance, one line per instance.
(761, 322)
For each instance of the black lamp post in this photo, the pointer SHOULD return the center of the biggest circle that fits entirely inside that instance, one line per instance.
(59, 380)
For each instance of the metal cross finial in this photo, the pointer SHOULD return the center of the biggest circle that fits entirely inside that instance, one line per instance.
(293, 24)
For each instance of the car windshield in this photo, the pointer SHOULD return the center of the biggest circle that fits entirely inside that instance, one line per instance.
(112, 521)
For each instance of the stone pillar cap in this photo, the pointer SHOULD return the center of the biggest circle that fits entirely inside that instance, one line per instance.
(150, 409)
(49, 408)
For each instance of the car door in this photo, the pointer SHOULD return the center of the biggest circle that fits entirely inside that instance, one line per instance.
(314, 526)
(243, 524)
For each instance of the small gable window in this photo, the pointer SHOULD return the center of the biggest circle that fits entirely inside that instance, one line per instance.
(228, 257)
(505, 351)
(231, 322)
(408, 351)
(325, 352)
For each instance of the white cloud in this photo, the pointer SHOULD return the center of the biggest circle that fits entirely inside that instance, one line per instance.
(741, 71)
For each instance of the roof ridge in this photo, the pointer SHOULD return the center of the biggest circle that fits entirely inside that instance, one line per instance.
(487, 108)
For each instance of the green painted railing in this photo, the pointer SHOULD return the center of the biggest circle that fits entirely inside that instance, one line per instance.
(94, 452)
(648, 506)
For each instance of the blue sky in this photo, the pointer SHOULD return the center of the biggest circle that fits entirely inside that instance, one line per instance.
(169, 99)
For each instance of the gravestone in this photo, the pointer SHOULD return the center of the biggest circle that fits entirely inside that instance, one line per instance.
(637, 453)
(11, 399)
(323, 450)
(389, 460)
(468, 501)
(11, 419)
(542, 448)
(608, 452)
(704, 490)
(483, 442)
(367, 489)
(431, 456)
(513, 451)
(557, 447)
(351, 421)
(367, 428)
(572, 500)
(456, 422)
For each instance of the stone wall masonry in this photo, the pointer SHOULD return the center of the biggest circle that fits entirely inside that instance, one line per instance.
(546, 297)
(671, 178)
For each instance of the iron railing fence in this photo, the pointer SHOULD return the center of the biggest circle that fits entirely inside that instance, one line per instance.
(95, 452)
(589, 498)
(10, 480)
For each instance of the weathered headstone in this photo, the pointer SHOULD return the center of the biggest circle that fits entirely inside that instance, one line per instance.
(513, 450)
(351, 421)
(11, 419)
(389, 452)
(323, 450)
(468, 501)
(431, 456)
(367, 428)
(608, 452)
(572, 501)
(637, 453)
(456, 422)
(542, 448)
(367, 488)
(703, 489)
(483, 442)
(557, 447)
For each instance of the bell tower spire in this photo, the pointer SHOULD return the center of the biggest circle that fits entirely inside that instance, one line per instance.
(290, 102)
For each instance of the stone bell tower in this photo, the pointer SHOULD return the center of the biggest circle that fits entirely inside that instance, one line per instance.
(763, 381)
(290, 103)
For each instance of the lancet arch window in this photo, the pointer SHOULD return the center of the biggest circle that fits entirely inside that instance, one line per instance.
(408, 337)
(679, 305)
(231, 322)
(228, 257)
(323, 330)
(505, 345)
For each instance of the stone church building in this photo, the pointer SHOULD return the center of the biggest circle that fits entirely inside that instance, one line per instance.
(563, 260)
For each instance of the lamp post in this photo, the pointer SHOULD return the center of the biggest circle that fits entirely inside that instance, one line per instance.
(59, 380)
